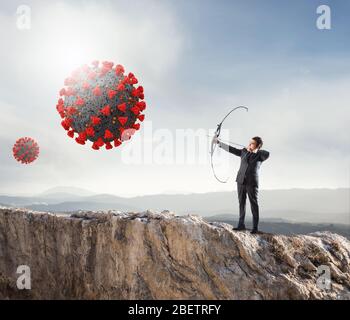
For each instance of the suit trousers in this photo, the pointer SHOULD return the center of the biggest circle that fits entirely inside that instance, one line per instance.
(252, 191)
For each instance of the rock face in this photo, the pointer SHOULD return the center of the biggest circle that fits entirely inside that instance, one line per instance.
(151, 255)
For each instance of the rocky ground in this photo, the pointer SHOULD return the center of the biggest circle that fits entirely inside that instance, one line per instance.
(160, 255)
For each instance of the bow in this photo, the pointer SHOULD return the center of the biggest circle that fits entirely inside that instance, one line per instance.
(216, 136)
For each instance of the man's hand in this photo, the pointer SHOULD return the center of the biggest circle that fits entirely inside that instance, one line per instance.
(215, 139)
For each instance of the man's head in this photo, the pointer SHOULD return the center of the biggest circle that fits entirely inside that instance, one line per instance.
(255, 143)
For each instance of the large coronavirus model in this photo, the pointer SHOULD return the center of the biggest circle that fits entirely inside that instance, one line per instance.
(101, 104)
(25, 150)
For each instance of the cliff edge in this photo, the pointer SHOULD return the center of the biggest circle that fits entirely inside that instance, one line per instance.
(160, 255)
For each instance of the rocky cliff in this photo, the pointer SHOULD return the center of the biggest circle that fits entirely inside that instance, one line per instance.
(151, 255)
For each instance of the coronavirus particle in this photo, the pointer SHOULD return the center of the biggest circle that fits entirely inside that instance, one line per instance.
(101, 104)
(25, 150)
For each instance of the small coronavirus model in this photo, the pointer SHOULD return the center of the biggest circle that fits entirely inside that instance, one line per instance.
(101, 104)
(25, 150)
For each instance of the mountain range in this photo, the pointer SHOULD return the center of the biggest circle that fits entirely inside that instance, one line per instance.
(295, 205)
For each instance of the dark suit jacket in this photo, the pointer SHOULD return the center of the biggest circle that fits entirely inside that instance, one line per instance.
(248, 172)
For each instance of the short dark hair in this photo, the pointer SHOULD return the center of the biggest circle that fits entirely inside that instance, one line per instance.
(258, 141)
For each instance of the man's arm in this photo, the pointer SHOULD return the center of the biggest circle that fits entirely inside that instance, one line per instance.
(264, 155)
(230, 149)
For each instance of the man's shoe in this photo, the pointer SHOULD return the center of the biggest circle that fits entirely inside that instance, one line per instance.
(254, 231)
(239, 229)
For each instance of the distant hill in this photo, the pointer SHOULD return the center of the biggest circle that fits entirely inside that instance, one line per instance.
(76, 206)
(279, 226)
(296, 205)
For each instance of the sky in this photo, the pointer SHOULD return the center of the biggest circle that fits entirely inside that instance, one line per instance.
(196, 61)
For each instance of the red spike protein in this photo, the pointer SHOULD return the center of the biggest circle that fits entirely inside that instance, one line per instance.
(25, 150)
(100, 104)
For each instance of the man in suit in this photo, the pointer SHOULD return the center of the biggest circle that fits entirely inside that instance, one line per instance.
(248, 178)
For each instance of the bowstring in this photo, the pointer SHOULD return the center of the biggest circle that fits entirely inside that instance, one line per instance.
(237, 144)
(217, 133)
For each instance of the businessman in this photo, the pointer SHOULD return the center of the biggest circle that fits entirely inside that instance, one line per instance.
(248, 178)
